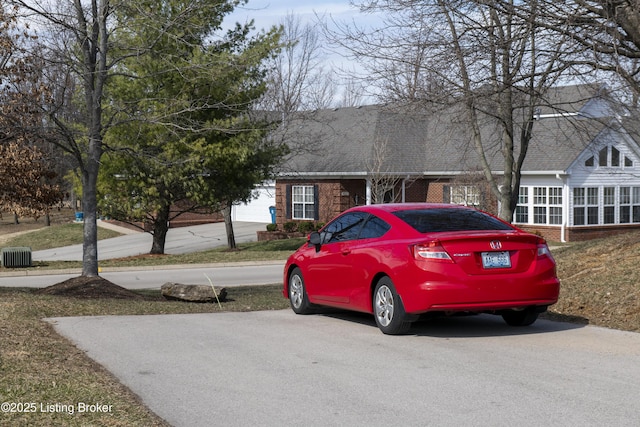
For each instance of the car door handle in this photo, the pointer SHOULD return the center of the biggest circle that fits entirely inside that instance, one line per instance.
(346, 252)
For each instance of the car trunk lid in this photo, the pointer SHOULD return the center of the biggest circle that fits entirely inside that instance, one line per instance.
(490, 252)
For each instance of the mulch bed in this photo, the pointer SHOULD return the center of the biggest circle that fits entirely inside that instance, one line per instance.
(90, 288)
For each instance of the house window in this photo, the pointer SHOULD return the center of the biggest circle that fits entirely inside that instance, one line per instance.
(579, 206)
(589, 162)
(593, 209)
(555, 205)
(609, 199)
(522, 208)
(585, 206)
(635, 206)
(303, 201)
(467, 195)
(615, 157)
(541, 205)
(602, 157)
(610, 156)
(612, 205)
(625, 205)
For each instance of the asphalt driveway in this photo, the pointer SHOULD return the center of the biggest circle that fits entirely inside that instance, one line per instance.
(274, 368)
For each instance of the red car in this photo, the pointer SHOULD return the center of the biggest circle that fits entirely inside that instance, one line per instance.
(400, 261)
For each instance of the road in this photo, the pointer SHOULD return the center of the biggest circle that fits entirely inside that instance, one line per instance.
(274, 368)
(179, 240)
(226, 275)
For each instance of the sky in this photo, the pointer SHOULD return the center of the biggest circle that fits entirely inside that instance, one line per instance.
(267, 13)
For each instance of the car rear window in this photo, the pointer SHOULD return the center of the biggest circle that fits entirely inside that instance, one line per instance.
(436, 220)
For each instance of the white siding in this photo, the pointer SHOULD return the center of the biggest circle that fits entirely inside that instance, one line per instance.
(601, 177)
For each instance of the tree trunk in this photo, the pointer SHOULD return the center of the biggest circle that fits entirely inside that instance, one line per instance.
(506, 208)
(90, 230)
(231, 238)
(160, 230)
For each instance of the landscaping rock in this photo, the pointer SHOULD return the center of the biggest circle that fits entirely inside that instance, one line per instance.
(192, 293)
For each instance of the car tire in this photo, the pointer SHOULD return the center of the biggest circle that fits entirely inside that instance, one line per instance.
(298, 297)
(388, 309)
(524, 317)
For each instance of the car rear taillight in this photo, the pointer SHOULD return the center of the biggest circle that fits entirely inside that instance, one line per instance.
(543, 249)
(432, 250)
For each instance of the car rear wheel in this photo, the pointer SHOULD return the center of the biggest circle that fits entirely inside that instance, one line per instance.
(297, 293)
(524, 317)
(388, 309)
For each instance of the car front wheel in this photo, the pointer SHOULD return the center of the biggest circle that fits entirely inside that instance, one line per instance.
(524, 317)
(388, 309)
(297, 293)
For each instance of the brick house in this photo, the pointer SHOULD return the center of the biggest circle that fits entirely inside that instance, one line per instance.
(580, 179)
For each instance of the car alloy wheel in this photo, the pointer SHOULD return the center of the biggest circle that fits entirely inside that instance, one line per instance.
(297, 293)
(384, 305)
(388, 310)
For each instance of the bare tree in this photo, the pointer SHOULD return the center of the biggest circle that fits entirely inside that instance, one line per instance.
(383, 180)
(77, 35)
(608, 29)
(471, 189)
(488, 58)
(352, 93)
(298, 79)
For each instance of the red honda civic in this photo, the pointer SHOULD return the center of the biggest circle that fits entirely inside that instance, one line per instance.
(400, 261)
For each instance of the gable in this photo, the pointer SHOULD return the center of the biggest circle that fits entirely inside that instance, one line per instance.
(613, 155)
(557, 141)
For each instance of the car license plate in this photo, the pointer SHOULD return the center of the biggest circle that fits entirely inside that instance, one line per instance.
(496, 259)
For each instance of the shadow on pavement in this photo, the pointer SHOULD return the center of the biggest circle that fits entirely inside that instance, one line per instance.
(465, 326)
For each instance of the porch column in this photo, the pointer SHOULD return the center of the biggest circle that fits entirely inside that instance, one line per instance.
(368, 191)
(404, 188)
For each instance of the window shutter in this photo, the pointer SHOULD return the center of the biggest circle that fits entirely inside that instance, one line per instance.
(316, 202)
(446, 194)
(287, 208)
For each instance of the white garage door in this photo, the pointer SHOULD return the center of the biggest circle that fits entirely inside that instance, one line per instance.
(257, 210)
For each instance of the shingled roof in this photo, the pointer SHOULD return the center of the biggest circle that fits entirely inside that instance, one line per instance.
(400, 139)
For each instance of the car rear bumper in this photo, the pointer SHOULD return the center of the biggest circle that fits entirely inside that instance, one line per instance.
(479, 296)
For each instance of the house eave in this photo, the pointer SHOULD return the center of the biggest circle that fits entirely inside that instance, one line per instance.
(321, 175)
(426, 174)
(343, 174)
(546, 172)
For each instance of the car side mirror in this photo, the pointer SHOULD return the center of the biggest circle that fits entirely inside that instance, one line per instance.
(315, 240)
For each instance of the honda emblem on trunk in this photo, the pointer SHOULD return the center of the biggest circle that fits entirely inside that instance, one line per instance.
(495, 244)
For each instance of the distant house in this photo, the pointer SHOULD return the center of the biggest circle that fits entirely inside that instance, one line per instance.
(581, 177)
